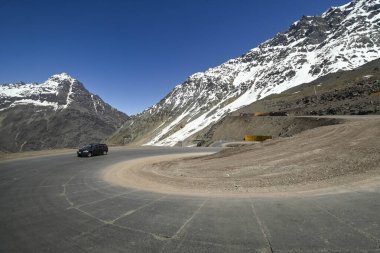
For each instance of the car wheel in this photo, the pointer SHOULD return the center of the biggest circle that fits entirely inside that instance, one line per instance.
(89, 154)
(104, 152)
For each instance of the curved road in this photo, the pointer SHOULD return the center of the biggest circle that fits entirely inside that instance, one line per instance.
(61, 204)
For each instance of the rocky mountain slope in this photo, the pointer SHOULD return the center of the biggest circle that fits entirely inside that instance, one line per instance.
(342, 38)
(353, 92)
(60, 112)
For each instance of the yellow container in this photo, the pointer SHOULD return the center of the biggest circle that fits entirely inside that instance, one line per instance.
(249, 138)
(257, 114)
(257, 137)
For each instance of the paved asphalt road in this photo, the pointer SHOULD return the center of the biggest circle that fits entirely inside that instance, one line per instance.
(61, 204)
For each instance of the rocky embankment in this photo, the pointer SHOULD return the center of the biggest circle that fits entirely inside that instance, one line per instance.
(355, 92)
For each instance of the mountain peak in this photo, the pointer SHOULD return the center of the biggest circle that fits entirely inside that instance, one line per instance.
(53, 114)
(62, 76)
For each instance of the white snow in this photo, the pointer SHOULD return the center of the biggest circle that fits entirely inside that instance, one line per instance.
(35, 102)
(65, 76)
(93, 101)
(32, 102)
(47, 90)
(167, 128)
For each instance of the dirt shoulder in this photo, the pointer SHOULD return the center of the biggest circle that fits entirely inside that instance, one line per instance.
(30, 154)
(332, 158)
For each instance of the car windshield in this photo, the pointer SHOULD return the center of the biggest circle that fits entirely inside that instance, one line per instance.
(86, 147)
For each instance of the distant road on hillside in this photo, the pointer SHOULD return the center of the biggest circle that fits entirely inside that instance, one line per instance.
(355, 117)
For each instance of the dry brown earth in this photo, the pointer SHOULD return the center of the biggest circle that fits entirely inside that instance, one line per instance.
(327, 157)
(39, 153)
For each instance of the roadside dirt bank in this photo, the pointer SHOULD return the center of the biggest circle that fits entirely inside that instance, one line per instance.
(323, 160)
(29, 154)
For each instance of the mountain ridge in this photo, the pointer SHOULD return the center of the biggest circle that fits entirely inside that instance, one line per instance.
(342, 38)
(57, 113)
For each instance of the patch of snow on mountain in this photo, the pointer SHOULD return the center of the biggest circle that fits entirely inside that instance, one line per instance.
(44, 94)
(68, 99)
(93, 102)
(35, 102)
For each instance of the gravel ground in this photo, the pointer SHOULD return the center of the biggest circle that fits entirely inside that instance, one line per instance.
(322, 158)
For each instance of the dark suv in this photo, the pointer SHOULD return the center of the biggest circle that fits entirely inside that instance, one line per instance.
(93, 149)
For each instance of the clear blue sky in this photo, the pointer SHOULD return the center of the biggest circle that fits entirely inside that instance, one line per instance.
(133, 52)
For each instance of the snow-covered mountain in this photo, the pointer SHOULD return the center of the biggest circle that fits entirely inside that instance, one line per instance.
(60, 112)
(57, 93)
(342, 38)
